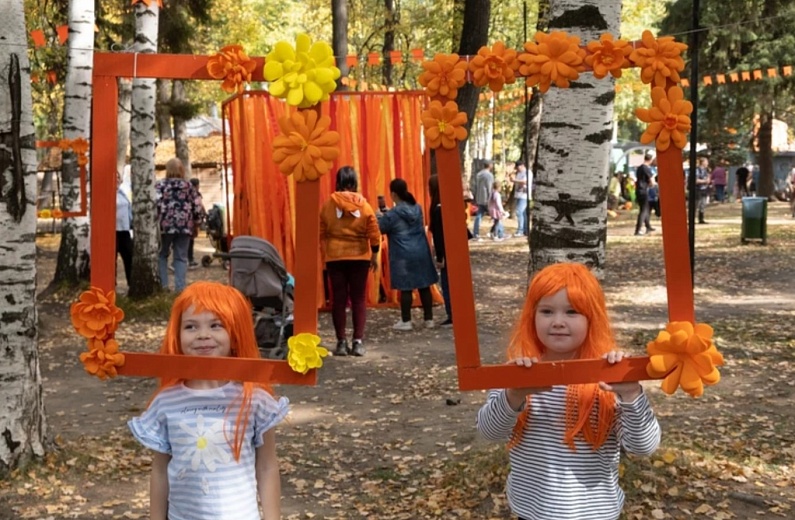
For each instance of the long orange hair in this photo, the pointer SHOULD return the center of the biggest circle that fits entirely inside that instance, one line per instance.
(586, 297)
(234, 311)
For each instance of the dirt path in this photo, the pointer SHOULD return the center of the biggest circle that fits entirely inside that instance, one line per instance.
(389, 436)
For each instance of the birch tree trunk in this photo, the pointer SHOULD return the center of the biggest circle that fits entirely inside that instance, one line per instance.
(22, 420)
(162, 108)
(123, 123)
(145, 280)
(180, 125)
(570, 213)
(74, 252)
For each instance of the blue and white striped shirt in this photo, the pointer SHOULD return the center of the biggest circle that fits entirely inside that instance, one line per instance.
(191, 425)
(549, 481)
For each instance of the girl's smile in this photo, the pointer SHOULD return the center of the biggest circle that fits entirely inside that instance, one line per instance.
(203, 334)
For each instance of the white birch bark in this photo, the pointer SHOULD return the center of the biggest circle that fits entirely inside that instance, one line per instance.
(22, 420)
(569, 217)
(73, 253)
(145, 280)
(180, 126)
(123, 123)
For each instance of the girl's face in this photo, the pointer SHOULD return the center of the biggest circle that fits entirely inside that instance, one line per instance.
(203, 334)
(560, 328)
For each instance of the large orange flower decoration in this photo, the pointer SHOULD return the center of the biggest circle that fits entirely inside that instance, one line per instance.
(79, 146)
(444, 75)
(668, 118)
(444, 125)
(685, 356)
(555, 58)
(608, 56)
(659, 59)
(306, 147)
(95, 315)
(233, 65)
(102, 358)
(494, 66)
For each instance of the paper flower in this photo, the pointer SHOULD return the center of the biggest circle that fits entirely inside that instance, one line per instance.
(79, 146)
(659, 59)
(102, 358)
(304, 352)
(96, 314)
(686, 356)
(233, 65)
(57, 213)
(45, 213)
(555, 58)
(494, 66)
(668, 118)
(148, 2)
(608, 56)
(444, 125)
(444, 75)
(306, 147)
(304, 75)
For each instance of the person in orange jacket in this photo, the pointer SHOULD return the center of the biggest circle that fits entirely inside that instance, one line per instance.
(350, 242)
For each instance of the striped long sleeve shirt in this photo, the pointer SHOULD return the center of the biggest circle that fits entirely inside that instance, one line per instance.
(549, 481)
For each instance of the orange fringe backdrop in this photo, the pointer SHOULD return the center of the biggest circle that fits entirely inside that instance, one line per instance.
(379, 136)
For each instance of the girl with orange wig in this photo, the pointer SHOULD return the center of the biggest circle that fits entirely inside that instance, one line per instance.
(214, 442)
(564, 442)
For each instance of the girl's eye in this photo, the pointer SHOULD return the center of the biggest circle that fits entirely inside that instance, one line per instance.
(545, 312)
(572, 312)
(189, 326)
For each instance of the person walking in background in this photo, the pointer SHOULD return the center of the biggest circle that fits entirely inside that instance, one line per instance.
(350, 242)
(521, 193)
(742, 182)
(497, 213)
(482, 187)
(703, 181)
(644, 181)
(410, 262)
(124, 241)
(719, 181)
(191, 263)
(179, 211)
(437, 233)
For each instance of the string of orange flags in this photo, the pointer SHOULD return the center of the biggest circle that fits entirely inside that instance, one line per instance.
(743, 75)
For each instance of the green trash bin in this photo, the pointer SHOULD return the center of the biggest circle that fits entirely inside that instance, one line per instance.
(754, 219)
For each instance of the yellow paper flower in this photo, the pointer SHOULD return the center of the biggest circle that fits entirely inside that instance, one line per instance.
(304, 352)
(45, 213)
(659, 59)
(555, 58)
(608, 56)
(444, 75)
(304, 75)
(96, 314)
(668, 118)
(494, 66)
(102, 358)
(686, 356)
(444, 124)
(306, 147)
(233, 65)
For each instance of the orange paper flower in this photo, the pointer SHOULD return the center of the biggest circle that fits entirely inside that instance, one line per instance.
(79, 146)
(148, 2)
(96, 314)
(669, 118)
(57, 213)
(555, 58)
(102, 358)
(444, 125)
(494, 66)
(686, 356)
(444, 75)
(306, 147)
(659, 59)
(608, 56)
(233, 65)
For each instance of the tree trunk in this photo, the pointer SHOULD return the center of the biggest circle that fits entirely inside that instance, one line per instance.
(74, 262)
(22, 420)
(339, 38)
(392, 19)
(570, 213)
(180, 126)
(123, 123)
(765, 154)
(162, 110)
(145, 280)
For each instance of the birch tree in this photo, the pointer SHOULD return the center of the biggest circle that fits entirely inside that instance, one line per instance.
(22, 421)
(145, 280)
(570, 212)
(73, 254)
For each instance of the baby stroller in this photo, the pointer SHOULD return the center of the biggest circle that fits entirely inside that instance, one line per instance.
(216, 233)
(259, 273)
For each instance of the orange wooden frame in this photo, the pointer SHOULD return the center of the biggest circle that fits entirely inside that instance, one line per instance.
(107, 69)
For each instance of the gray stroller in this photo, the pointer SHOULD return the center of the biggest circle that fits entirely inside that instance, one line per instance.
(259, 273)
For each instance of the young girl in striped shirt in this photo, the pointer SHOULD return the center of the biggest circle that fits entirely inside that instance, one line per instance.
(564, 442)
(213, 441)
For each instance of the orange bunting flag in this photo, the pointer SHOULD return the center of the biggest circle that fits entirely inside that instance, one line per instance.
(757, 74)
(63, 33)
(721, 79)
(373, 58)
(351, 60)
(707, 80)
(787, 70)
(734, 77)
(685, 82)
(745, 75)
(772, 73)
(417, 54)
(395, 56)
(38, 38)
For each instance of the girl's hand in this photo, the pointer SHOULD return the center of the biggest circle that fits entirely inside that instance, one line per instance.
(627, 391)
(517, 396)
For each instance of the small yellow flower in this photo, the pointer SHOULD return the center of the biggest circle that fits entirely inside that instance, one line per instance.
(304, 352)
(304, 75)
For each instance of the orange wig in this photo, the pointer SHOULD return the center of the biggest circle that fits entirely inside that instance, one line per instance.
(234, 311)
(586, 297)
